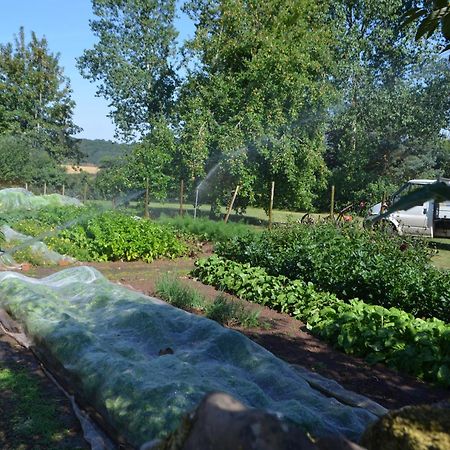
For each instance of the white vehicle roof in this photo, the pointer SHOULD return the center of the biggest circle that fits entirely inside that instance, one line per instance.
(418, 181)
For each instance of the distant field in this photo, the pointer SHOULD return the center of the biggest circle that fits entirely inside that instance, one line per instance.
(87, 168)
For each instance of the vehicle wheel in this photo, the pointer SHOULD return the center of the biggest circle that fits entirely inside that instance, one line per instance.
(386, 227)
(307, 219)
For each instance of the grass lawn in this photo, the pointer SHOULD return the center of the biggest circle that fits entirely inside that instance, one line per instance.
(256, 216)
(29, 419)
(442, 259)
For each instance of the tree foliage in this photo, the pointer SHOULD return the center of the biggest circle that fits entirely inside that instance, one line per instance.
(133, 61)
(299, 92)
(256, 98)
(432, 15)
(395, 102)
(35, 97)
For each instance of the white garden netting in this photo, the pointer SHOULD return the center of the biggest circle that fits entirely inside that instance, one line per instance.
(108, 339)
(14, 199)
(19, 242)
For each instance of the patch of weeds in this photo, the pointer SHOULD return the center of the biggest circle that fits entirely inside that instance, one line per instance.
(27, 254)
(32, 419)
(228, 312)
(177, 294)
(248, 318)
(221, 310)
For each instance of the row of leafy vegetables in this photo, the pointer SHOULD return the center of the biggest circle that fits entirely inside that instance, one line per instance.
(317, 274)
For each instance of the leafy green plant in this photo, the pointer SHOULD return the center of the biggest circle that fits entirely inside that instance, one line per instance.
(351, 262)
(112, 236)
(392, 336)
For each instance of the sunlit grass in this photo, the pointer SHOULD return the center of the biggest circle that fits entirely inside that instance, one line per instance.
(29, 418)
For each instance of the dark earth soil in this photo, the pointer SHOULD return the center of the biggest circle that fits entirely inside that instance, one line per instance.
(282, 335)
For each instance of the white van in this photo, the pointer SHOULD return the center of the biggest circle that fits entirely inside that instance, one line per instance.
(429, 219)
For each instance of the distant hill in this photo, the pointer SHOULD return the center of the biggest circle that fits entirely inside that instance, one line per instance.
(98, 151)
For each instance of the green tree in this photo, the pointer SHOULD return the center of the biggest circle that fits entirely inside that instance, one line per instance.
(395, 101)
(35, 97)
(255, 97)
(133, 61)
(433, 15)
(20, 164)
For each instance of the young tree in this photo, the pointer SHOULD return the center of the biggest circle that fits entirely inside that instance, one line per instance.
(133, 61)
(35, 97)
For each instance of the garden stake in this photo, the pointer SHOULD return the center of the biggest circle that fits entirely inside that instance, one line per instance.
(232, 203)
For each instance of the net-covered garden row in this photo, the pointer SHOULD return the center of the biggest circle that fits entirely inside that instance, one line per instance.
(112, 344)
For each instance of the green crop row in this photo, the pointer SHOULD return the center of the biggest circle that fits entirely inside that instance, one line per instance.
(351, 262)
(206, 229)
(392, 336)
(113, 236)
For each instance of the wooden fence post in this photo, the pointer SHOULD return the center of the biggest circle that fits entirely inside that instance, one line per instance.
(45, 188)
(146, 212)
(181, 197)
(272, 192)
(332, 203)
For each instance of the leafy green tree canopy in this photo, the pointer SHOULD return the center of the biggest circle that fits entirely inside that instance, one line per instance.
(133, 61)
(35, 97)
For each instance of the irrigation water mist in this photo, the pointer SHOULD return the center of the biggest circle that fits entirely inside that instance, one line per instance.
(32, 240)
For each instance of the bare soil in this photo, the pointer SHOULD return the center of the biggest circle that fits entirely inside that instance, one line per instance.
(284, 336)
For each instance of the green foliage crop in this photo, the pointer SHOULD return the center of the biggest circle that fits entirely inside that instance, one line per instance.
(207, 230)
(113, 236)
(350, 262)
(392, 336)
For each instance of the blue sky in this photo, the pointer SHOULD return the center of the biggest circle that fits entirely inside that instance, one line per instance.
(65, 23)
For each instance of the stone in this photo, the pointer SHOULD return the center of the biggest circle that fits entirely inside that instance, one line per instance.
(223, 423)
(423, 427)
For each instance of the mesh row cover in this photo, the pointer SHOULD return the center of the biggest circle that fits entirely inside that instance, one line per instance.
(109, 338)
(14, 199)
(38, 248)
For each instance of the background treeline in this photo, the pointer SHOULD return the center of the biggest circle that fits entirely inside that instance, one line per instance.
(303, 93)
